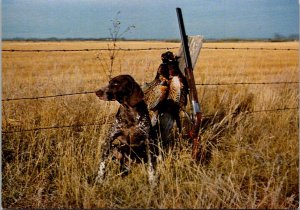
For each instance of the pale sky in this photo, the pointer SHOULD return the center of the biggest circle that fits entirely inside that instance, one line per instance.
(153, 19)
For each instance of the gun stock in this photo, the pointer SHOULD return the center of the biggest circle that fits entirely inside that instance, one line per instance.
(193, 96)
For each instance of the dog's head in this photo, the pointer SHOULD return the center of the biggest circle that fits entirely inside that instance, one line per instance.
(123, 89)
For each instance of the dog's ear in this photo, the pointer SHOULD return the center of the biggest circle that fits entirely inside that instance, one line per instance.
(136, 96)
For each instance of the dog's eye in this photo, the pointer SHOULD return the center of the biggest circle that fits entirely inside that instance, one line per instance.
(115, 84)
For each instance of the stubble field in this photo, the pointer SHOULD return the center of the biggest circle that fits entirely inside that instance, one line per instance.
(252, 155)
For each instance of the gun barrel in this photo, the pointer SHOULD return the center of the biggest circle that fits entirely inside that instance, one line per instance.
(184, 39)
(194, 133)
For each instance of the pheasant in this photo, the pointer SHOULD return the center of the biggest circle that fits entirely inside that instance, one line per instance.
(166, 95)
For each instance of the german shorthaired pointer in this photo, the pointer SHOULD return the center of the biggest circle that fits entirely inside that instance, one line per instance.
(131, 137)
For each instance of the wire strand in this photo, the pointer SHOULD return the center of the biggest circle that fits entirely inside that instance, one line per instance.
(198, 84)
(147, 49)
(246, 83)
(87, 50)
(49, 96)
(249, 48)
(51, 127)
(97, 124)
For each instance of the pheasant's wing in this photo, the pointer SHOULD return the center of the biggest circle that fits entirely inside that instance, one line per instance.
(154, 93)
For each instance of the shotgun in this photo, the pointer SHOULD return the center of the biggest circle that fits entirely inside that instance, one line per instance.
(193, 96)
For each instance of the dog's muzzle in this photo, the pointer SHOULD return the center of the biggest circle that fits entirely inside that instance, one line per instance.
(105, 95)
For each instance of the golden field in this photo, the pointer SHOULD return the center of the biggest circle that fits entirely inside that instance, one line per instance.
(253, 157)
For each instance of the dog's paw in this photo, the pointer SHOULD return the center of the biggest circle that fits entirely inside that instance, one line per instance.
(101, 173)
(99, 180)
(152, 178)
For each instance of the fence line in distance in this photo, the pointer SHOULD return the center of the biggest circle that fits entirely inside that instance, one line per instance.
(249, 48)
(96, 49)
(147, 49)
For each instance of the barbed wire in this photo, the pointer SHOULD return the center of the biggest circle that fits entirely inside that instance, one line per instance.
(246, 83)
(49, 96)
(273, 110)
(249, 48)
(146, 49)
(98, 124)
(52, 127)
(198, 84)
(96, 49)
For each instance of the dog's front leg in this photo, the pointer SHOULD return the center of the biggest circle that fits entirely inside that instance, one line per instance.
(151, 163)
(105, 150)
(104, 156)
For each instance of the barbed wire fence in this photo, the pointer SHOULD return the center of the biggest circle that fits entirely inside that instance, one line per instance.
(99, 124)
(142, 49)
(197, 84)
(146, 49)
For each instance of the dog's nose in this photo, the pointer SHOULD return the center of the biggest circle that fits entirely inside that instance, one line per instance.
(99, 93)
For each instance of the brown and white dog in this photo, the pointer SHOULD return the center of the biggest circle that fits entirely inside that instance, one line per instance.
(131, 136)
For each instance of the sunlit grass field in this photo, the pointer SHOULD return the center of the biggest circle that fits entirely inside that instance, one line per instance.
(252, 156)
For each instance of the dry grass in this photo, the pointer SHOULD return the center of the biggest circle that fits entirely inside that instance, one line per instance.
(254, 158)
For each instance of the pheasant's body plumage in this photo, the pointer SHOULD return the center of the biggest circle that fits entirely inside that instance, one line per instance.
(169, 84)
